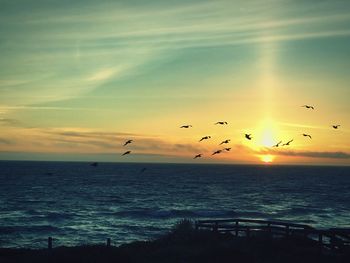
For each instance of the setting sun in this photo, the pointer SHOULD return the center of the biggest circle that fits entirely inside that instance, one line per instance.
(267, 158)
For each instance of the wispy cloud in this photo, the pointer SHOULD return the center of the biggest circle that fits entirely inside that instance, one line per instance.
(113, 40)
(10, 122)
(311, 154)
(6, 141)
(299, 125)
(86, 140)
(9, 108)
(102, 75)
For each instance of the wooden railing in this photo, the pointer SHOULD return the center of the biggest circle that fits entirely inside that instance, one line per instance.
(333, 238)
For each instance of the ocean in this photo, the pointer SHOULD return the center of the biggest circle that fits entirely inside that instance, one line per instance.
(77, 203)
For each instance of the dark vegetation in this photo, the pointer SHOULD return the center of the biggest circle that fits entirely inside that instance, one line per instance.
(185, 244)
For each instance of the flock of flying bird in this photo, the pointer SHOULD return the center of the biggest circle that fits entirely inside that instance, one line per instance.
(247, 136)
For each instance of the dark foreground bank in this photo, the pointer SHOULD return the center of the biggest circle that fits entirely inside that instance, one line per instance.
(185, 244)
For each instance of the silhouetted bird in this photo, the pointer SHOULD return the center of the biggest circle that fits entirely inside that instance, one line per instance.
(287, 143)
(143, 169)
(127, 142)
(205, 138)
(221, 123)
(127, 152)
(308, 107)
(217, 152)
(307, 135)
(225, 141)
(94, 164)
(335, 126)
(248, 136)
(227, 149)
(197, 156)
(186, 126)
(277, 144)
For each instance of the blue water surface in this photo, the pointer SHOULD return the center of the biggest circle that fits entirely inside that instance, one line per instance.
(78, 204)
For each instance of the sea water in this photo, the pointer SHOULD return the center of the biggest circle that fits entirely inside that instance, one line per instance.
(76, 203)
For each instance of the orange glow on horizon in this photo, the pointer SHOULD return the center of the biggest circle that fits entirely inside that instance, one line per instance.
(268, 158)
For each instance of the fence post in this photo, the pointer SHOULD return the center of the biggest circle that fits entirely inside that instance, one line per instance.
(320, 241)
(49, 243)
(306, 232)
(237, 223)
(248, 232)
(287, 231)
(215, 228)
(108, 242)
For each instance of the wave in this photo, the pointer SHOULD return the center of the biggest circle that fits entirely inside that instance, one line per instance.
(55, 216)
(174, 213)
(255, 215)
(28, 229)
(302, 211)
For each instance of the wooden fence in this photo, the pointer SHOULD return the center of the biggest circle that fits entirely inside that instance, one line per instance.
(330, 239)
(333, 239)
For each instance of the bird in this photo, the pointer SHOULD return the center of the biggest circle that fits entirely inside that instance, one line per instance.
(308, 107)
(225, 141)
(186, 126)
(307, 135)
(197, 156)
(227, 149)
(205, 138)
(94, 164)
(277, 144)
(217, 152)
(287, 143)
(143, 169)
(127, 152)
(127, 142)
(221, 123)
(248, 136)
(335, 126)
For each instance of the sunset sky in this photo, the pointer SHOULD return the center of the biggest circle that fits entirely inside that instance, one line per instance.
(79, 78)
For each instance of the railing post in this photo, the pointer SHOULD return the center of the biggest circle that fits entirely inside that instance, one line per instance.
(287, 231)
(215, 227)
(332, 240)
(248, 232)
(320, 241)
(49, 243)
(108, 242)
(305, 232)
(269, 228)
(237, 225)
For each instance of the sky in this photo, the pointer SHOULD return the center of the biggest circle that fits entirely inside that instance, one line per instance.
(79, 78)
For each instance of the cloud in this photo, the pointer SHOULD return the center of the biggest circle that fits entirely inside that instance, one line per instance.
(6, 141)
(86, 133)
(10, 122)
(311, 154)
(91, 141)
(102, 75)
(297, 125)
(50, 108)
(85, 45)
(164, 25)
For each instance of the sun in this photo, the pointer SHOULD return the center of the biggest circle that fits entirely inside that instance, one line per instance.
(267, 158)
